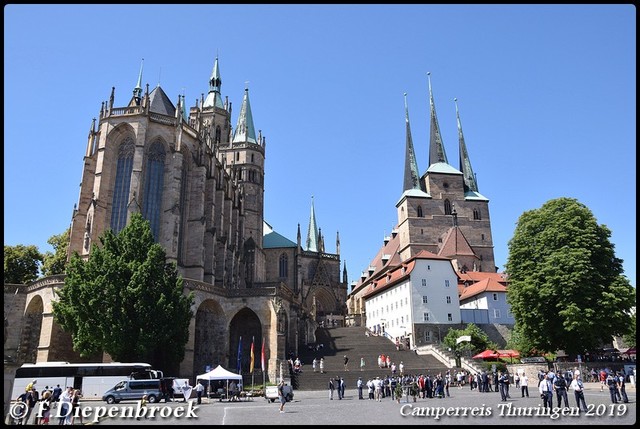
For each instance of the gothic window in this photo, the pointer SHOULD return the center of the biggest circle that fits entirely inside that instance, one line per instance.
(447, 207)
(154, 183)
(184, 189)
(218, 134)
(237, 156)
(122, 183)
(420, 211)
(252, 158)
(476, 214)
(284, 266)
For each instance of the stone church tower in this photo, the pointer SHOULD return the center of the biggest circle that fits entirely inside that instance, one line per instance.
(199, 182)
(442, 211)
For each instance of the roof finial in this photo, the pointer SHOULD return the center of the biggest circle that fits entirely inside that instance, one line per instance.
(246, 85)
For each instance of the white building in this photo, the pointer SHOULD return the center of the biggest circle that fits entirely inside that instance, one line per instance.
(485, 302)
(415, 301)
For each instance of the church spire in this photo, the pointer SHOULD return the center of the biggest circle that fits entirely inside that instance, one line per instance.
(137, 91)
(411, 175)
(312, 233)
(214, 97)
(465, 164)
(436, 147)
(245, 132)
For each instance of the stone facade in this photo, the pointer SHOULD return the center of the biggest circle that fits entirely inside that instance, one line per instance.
(200, 183)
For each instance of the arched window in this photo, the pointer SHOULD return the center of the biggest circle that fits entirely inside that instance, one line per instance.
(154, 183)
(283, 266)
(476, 214)
(218, 134)
(420, 211)
(124, 167)
(447, 207)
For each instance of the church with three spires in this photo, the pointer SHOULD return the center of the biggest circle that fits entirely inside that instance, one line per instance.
(199, 182)
(440, 215)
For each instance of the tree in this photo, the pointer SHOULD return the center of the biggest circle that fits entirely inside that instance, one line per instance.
(21, 264)
(566, 287)
(479, 340)
(126, 300)
(55, 263)
(630, 337)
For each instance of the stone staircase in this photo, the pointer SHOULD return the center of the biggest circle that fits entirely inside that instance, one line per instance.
(353, 342)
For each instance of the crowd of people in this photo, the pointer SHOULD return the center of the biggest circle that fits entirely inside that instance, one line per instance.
(50, 398)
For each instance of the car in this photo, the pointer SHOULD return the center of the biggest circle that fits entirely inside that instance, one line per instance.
(271, 393)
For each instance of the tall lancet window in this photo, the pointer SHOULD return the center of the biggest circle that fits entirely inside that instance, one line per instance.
(420, 211)
(153, 184)
(124, 167)
(284, 266)
(447, 207)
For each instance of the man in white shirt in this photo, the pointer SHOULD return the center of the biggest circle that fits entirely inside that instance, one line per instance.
(546, 391)
(578, 390)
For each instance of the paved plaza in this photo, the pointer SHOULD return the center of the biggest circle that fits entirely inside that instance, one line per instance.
(464, 407)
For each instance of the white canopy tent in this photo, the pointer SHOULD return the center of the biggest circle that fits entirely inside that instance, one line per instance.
(219, 373)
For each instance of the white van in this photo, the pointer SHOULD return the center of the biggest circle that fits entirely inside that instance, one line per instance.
(133, 390)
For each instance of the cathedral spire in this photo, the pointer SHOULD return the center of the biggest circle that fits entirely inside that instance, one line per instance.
(245, 132)
(137, 91)
(214, 97)
(436, 147)
(465, 164)
(411, 175)
(312, 233)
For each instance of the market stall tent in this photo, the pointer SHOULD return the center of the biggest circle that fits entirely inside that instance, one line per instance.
(219, 373)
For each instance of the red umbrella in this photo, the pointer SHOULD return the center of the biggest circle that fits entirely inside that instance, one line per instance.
(487, 354)
(508, 353)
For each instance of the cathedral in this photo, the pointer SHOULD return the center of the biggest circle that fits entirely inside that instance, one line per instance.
(199, 182)
(441, 212)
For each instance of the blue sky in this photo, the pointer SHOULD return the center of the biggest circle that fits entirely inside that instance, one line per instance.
(546, 96)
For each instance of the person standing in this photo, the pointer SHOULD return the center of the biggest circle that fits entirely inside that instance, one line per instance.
(362, 363)
(578, 391)
(281, 396)
(199, 391)
(321, 365)
(314, 364)
(332, 387)
(360, 386)
(621, 388)
(524, 384)
(401, 368)
(560, 386)
(613, 387)
(338, 387)
(546, 391)
(343, 387)
(502, 379)
(346, 363)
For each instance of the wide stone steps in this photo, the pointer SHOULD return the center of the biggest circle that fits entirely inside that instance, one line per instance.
(352, 341)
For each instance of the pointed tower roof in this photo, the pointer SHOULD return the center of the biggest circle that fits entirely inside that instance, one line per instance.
(312, 233)
(411, 175)
(436, 147)
(214, 98)
(137, 91)
(160, 103)
(245, 132)
(470, 183)
(455, 244)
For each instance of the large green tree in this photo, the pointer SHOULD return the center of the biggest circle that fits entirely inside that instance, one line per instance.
(56, 262)
(566, 289)
(21, 264)
(126, 300)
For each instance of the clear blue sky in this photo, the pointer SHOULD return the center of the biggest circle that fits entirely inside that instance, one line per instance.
(547, 99)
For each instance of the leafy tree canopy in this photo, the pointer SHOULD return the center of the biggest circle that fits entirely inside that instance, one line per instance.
(126, 300)
(479, 340)
(566, 287)
(21, 264)
(56, 262)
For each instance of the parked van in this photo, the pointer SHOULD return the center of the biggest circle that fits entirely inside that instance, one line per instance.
(134, 390)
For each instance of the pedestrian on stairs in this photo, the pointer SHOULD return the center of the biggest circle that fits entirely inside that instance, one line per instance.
(362, 363)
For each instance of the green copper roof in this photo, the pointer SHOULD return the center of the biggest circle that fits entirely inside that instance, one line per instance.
(414, 193)
(312, 232)
(273, 240)
(473, 195)
(465, 163)
(245, 132)
(442, 167)
(214, 99)
(411, 175)
(436, 147)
